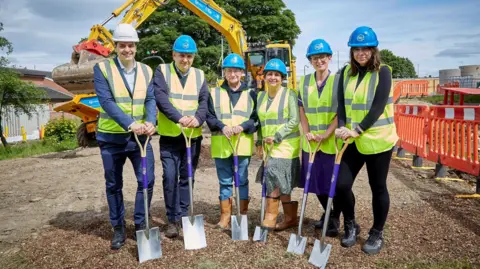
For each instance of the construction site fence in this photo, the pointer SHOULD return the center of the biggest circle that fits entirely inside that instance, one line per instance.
(412, 88)
(445, 135)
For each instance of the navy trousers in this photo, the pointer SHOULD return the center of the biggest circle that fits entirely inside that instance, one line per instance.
(173, 154)
(114, 157)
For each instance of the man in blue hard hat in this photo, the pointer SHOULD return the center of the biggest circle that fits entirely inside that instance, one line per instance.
(182, 98)
(231, 112)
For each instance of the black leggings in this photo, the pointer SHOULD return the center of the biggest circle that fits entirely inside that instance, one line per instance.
(377, 169)
(324, 202)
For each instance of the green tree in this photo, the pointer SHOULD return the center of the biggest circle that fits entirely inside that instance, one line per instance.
(261, 19)
(401, 67)
(16, 95)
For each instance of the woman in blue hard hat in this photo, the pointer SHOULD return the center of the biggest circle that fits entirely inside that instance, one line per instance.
(365, 117)
(318, 115)
(279, 119)
(231, 112)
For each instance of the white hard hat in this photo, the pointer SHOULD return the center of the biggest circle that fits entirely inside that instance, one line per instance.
(125, 32)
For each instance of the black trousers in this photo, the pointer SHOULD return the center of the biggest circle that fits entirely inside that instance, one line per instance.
(377, 169)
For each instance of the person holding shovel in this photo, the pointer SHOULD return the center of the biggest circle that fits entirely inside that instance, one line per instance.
(318, 116)
(365, 116)
(232, 112)
(277, 109)
(181, 94)
(127, 105)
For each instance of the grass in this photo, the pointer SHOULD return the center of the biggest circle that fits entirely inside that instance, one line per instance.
(17, 260)
(428, 265)
(31, 148)
(468, 99)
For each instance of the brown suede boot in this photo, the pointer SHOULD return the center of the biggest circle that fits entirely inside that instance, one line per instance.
(244, 206)
(289, 216)
(226, 212)
(271, 212)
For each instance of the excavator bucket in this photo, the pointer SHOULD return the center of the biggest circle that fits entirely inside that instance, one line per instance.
(77, 76)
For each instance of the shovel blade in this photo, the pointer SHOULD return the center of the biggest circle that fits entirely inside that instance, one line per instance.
(319, 256)
(239, 228)
(148, 247)
(260, 234)
(194, 233)
(297, 244)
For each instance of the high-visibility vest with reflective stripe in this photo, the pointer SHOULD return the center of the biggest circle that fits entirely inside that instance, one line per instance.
(131, 106)
(231, 116)
(382, 135)
(183, 99)
(273, 119)
(320, 110)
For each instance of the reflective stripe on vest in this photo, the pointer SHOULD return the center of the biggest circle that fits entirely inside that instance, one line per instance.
(382, 135)
(134, 107)
(183, 99)
(231, 116)
(320, 111)
(273, 119)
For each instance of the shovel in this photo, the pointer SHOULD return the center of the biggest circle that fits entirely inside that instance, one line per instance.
(148, 240)
(297, 243)
(261, 233)
(321, 250)
(239, 222)
(193, 227)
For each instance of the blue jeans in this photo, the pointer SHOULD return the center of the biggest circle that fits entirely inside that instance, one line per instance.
(225, 176)
(114, 157)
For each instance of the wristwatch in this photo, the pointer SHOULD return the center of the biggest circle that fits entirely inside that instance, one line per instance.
(358, 130)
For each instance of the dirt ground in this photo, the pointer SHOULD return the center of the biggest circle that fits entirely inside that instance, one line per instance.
(55, 215)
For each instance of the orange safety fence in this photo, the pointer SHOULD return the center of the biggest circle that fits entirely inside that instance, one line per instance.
(411, 122)
(407, 88)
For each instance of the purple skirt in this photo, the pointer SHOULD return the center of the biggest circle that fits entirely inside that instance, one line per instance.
(321, 173)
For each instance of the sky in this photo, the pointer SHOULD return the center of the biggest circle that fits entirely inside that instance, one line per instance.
(433, 34)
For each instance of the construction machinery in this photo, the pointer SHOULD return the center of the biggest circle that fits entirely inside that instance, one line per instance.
(77, 76)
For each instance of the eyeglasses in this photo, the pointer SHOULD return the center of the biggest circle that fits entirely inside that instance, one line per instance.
(321, 57)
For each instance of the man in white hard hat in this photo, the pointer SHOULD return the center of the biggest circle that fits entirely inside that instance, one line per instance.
(127, 106)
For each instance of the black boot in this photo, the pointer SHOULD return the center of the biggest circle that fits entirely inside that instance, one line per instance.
(332, 227)
(352, 230)
(172, 230)
(119, 236)
(138, 227)
(374, 243)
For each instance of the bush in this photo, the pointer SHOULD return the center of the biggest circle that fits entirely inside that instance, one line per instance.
(61, 129)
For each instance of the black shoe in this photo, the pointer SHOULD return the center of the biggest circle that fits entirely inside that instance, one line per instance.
(374, 243)
(172, 230)
(138, 227)
(119, 236)
(332, 227)
(352, 230)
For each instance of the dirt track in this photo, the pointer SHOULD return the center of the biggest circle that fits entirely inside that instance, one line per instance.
(54, 215)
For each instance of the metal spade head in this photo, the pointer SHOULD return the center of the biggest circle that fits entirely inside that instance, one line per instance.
(260, 234)
(194, 232)
(239, 228)
(148, 244)
(297, 244)
(320, 254)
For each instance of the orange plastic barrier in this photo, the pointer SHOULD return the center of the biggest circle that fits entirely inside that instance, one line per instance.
(411, 122)
(453, 137)
(409, 88)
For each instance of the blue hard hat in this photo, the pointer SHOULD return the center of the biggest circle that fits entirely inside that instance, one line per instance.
(185, 44)
(233, 60)
(276, 65)
(318, 46)
(363, 36)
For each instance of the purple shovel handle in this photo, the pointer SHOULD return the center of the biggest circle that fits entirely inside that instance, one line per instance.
(334, 181)
(144, 172)
(189, 162)
(307, 181)
(264, 185)
(235, 170)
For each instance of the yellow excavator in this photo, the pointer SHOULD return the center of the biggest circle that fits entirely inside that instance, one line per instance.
(77, 76)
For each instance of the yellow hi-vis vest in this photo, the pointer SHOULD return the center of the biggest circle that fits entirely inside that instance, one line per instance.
(320, 110)
(231, 116)
(185, 100)
(382, 135)
(131, 106)
(273, 119)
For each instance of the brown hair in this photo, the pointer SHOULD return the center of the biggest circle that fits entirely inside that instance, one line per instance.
(372, 65)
